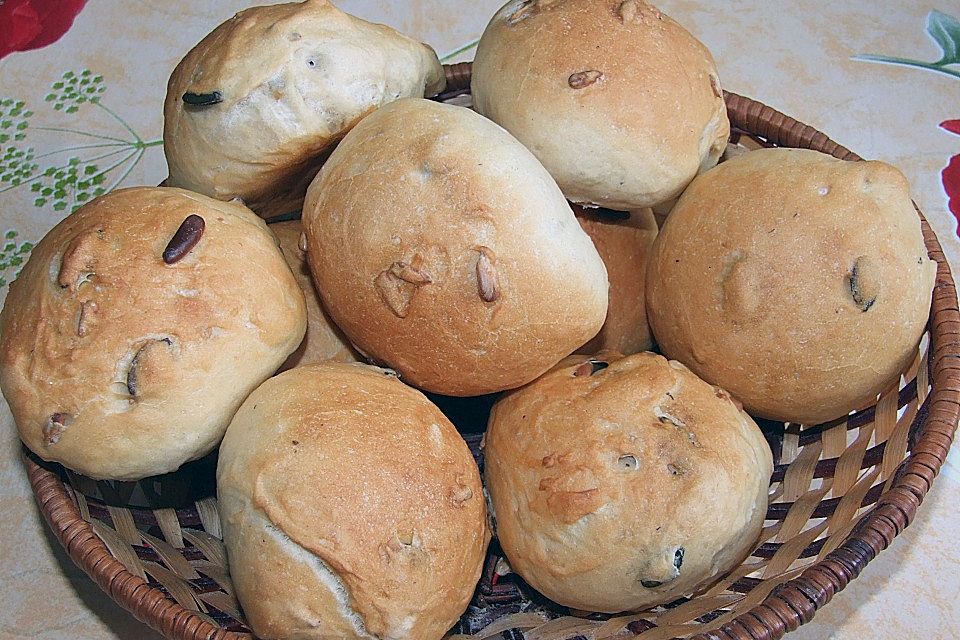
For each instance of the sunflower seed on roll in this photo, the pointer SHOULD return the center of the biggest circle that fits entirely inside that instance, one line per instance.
(443, 249)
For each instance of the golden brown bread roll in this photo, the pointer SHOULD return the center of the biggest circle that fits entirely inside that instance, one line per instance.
(796, 281)
(253, 108)
(323, 340)
(621, 483)
(134, 331)
(443, 249)
(623, 240)
(619, 102)
(351, 508)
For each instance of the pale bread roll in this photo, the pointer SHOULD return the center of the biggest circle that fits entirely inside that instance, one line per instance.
(119, 365)
(623, 240)
(443, 249)
(283, 83)
(323, 340)
(798, 282)
(351, 508)
(619, 102)
(621, 483)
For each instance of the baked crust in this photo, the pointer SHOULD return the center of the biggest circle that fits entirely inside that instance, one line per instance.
(622, 483)
(620, 103)
(119, 365)
(798, 282)
(351, 508)
(623, 241)
(283, 83)
(443, 249)
(323, 340)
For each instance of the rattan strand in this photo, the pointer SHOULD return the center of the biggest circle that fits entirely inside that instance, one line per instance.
(840, 494)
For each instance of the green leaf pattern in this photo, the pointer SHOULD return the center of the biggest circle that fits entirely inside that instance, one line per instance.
(68, 185)
(16, 166)
(14, 120)
(75, 89)
(13, 255)
(64, 179)
(944, 30)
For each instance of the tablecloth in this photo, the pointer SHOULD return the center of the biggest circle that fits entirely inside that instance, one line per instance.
(81, 91)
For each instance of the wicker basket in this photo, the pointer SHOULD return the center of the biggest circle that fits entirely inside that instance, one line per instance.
(840, 493)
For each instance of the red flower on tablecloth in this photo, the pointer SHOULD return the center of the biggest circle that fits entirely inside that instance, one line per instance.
(31, 24)
(944, 30)
(951, 173)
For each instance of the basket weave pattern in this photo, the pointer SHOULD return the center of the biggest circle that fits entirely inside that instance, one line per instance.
(839, 495)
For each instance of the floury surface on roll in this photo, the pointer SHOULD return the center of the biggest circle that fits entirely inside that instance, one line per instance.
(798, 282)
(138, 326)
(444, 249)
(252, 110)
(619, 484)
(618, 101)
(351, 508)
(323, 340)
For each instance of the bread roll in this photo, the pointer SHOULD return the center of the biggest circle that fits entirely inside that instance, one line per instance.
(351, 508)
(796, 281)
(619, 102)
(443, 248)
(623, 241)
(252, 110)
(323, 340)
(620, 484)
(138, 326)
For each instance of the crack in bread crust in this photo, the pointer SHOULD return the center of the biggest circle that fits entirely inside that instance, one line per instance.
(328, 577)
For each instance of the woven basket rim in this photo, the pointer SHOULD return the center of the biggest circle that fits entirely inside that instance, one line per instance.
(792, 604)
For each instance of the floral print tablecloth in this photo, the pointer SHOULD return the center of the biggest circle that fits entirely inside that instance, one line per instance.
(81, 89)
